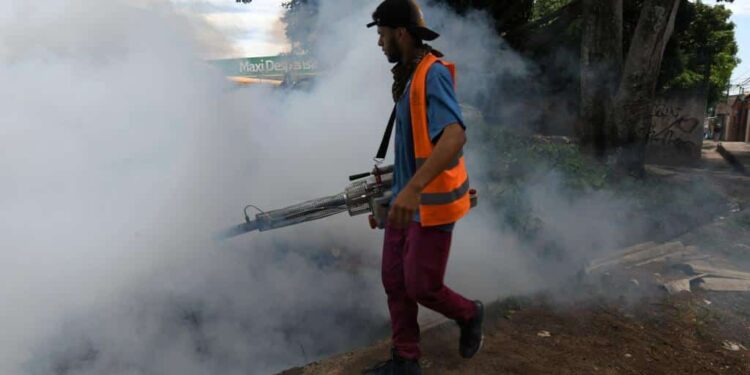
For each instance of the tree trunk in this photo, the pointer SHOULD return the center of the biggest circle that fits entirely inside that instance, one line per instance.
(633, 104)
(601, 65)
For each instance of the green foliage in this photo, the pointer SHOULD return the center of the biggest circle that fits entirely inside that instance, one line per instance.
(702, 52)
(541, 154)
(543, 8)
(513, 161)
(579, 173)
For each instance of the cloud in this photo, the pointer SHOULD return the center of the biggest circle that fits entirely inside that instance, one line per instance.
(216, 6)
(123, 153)
(252, 28)
(252, 34)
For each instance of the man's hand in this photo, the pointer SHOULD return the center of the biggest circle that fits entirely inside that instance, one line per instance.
(447, 148)
(404, 207)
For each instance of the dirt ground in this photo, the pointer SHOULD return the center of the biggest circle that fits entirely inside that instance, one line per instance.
(682, 335)
(626, 324)
(637, 330)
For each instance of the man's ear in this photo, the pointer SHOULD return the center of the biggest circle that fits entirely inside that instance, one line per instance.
(401, 32)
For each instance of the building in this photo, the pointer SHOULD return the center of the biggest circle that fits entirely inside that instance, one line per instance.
(732, 117)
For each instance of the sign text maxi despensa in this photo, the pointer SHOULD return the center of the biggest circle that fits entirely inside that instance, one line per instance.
(270, 67)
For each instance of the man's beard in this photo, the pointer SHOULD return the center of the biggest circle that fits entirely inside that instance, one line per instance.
(403, 70)
(394, 57)
(394, 54)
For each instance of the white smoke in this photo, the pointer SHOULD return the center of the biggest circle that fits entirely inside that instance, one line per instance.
(124, 153)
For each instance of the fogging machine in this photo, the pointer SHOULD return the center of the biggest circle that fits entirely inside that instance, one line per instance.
(369, 192)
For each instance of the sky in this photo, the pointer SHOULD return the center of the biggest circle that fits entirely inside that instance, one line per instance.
(255, 29)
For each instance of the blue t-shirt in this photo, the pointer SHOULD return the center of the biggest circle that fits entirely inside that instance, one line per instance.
(442, 110)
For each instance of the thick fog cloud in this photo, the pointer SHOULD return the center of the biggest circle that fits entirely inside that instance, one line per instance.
(123, 153)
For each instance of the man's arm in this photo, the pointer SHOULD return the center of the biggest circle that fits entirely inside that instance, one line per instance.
(445, 151)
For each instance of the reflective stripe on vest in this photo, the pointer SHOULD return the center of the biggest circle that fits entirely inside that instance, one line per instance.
(446, 198)
(453, 164)
(432, 199)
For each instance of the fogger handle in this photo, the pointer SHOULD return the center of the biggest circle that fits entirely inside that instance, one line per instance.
(380, 207)
(377, 171)
(358, 176)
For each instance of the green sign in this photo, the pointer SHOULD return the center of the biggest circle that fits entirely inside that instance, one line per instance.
(269, 67)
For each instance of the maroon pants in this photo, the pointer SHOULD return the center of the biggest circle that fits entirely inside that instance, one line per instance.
(413, 268)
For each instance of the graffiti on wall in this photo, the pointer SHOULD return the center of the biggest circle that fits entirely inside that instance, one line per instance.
(677, 129)
(679, 132)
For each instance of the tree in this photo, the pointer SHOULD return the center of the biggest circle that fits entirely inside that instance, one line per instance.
(619, 77)
(631, 113)
(507, 14)
(601, 66)
(301, 15)
(544, 8)
(615, 111)
(702, 53)
(300, 20)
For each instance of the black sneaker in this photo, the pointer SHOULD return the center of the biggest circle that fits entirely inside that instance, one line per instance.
(395, 366)
(471, 333)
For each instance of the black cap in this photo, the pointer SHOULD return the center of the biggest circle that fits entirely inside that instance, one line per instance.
(402, 13)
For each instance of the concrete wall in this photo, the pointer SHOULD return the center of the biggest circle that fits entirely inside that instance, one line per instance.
(677, 131)
(725, 113)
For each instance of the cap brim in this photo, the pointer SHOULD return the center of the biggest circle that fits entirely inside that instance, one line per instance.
(420, 32)
(424, 33)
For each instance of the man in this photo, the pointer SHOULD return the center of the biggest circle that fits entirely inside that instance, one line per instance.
(430, 188)
(717, 132)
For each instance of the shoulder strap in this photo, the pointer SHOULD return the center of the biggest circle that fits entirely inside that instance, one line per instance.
(383, 150)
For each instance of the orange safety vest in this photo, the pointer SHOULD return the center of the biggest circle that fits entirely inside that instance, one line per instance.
(445, 199)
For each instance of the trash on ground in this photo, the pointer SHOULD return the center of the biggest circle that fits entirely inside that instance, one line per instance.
(732, 346)
(698, 269)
